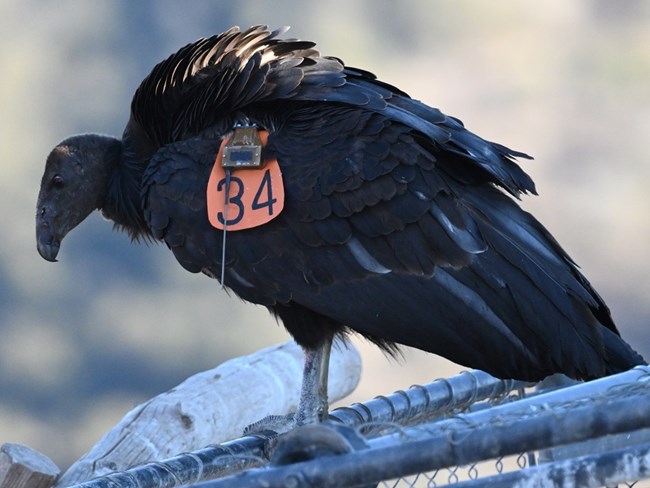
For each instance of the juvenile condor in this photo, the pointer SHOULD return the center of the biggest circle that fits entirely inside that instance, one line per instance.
(395, 221)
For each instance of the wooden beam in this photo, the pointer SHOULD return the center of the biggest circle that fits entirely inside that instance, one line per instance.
(23, 467)
(211, 407)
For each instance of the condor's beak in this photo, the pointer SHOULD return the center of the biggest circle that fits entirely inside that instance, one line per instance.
(46, 242)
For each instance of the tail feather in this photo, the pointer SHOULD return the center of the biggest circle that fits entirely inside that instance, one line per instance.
(619, 355)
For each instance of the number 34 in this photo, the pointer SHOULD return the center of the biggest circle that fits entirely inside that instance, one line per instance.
(255, 197)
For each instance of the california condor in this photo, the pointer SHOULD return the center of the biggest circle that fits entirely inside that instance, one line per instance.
(375, 212)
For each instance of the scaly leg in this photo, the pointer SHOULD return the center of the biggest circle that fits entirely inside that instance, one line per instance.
(313, 406)
(313, 403)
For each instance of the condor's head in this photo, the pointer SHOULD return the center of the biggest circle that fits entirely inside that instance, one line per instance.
(75, 183)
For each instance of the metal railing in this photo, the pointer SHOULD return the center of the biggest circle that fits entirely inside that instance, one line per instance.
(468, 430)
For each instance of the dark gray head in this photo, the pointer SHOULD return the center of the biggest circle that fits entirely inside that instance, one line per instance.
(75, 182)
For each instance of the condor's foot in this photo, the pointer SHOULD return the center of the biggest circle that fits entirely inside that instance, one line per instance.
(313, 405)
(276, 423)
(312, 410)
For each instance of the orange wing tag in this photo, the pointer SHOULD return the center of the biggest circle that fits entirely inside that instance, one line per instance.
(255, 194)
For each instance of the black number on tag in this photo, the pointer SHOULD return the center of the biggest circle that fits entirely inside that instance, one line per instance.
(265, 186)
(234, 199)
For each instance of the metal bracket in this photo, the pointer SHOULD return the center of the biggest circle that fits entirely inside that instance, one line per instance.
(244, 149)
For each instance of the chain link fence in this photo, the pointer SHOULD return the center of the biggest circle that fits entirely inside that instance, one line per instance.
(470, 430)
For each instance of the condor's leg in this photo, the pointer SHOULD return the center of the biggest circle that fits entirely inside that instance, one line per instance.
(313, 406)
(314, 333)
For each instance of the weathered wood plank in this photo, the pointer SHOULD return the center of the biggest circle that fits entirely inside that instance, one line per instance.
(211, 407)
(23, 467)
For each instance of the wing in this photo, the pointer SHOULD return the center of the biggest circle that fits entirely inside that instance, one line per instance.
(398, 237)
(397, 220)
(453, 265)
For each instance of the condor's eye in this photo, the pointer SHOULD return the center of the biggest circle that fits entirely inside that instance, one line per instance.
(57, 181)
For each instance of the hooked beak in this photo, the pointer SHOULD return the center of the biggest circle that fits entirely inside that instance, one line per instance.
(46, 242)
(48, 249)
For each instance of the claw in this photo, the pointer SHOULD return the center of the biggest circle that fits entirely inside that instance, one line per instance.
(276, 423)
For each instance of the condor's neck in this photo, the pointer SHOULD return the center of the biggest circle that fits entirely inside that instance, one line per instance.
(122, 204)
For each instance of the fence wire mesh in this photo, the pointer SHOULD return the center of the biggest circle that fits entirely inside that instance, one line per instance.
(467, 431)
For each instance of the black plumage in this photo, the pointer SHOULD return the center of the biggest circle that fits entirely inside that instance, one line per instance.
(399, 223)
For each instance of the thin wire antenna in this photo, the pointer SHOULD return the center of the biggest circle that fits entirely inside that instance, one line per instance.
(225, 226)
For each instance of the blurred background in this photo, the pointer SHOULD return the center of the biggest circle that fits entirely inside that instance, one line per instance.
(112, 324)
